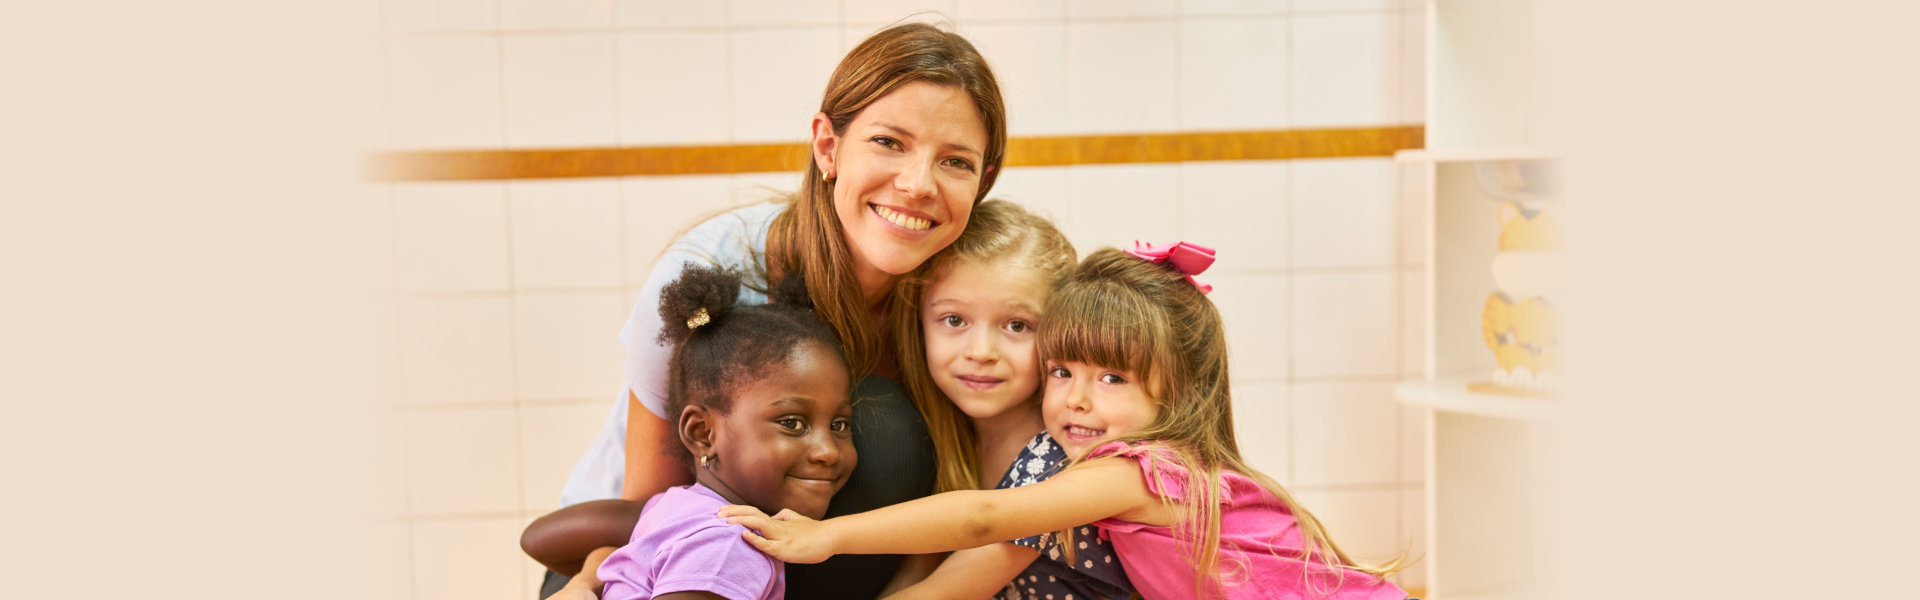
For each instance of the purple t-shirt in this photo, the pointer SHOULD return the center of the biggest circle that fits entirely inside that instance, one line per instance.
(680, 546)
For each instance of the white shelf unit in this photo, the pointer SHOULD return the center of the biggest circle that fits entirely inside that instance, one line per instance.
(1485, 472)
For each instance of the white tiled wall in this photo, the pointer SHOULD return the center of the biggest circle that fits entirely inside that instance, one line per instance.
(513, 292)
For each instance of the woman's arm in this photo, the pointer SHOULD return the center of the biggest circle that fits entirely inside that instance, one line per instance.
(563, 538)
(1098, 489)
(650, 469)
(972, 573)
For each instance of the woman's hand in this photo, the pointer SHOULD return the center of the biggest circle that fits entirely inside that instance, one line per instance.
(787, 536)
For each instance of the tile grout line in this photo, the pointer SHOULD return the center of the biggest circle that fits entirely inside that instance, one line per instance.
(1293, 287)
(513, 296)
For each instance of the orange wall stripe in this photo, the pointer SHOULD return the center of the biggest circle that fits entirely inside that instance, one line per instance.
(465, 165)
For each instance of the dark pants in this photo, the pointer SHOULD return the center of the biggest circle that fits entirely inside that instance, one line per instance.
(896, 465)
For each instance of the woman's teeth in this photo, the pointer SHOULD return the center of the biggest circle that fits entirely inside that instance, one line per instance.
(896, 218)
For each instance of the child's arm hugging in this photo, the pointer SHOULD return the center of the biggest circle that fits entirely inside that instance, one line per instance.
(1091, 491)
(972, 573)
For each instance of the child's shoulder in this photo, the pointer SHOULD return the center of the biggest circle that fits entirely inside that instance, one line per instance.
(686, 522)
(1166, 472)
(1039, 459)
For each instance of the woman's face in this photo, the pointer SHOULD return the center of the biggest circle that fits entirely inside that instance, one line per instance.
(906, 171)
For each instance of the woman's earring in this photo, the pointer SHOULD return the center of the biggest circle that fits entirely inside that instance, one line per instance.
(826, 177)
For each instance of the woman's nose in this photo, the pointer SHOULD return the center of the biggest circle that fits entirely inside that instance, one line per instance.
(915, 179)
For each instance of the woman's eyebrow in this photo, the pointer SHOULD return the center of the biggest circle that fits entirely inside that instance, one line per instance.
(909, 135)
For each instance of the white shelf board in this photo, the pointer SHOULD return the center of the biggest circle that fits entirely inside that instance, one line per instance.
(1440, 155)
(1451, 395)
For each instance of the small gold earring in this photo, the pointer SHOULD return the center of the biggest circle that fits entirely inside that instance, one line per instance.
(704, 460)
(826, 177)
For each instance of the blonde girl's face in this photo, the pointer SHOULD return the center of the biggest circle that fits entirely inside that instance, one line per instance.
(1087, 405)
(982, 350)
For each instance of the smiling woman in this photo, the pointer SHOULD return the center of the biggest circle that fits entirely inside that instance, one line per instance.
(909, 137)
(907, 176)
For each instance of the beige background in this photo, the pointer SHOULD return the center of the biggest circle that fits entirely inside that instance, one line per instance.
(224, 359)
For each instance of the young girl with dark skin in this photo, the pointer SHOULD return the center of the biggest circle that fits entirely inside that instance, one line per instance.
(761, 394)
(763, 408)
(910, 136)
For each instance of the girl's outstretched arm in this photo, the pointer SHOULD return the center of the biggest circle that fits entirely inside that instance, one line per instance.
(1097, 489)
(972, 573)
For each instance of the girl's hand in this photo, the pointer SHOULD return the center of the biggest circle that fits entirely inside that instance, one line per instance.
(787, 536)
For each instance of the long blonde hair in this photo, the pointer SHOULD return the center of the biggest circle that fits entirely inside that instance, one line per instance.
(808, 237)
(1119, 311)
(1000, 232)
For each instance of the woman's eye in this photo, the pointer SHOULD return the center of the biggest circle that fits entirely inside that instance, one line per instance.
(1112, 378)
(791, 423)
(1018, 326)
(953, 320)
(960, 163)
(886, 142)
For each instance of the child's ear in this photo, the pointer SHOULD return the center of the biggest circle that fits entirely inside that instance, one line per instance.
(696, 430)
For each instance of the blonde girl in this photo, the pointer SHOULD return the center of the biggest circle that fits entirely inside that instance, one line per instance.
(972, 317)
(1137, 388)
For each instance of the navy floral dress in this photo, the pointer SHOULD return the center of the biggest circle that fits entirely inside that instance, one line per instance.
(1095, 573)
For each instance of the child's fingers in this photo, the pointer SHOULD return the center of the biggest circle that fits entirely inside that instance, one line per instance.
(787, 514)
(758, 542)
(738, 510)
(752, 522)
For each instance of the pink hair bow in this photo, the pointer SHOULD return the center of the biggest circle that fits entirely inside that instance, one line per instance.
(1192, 259)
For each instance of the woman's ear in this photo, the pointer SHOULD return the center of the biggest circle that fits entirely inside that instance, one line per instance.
(696, 430)
(825, 141)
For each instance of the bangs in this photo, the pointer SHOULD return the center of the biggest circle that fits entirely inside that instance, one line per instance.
(1105, 324)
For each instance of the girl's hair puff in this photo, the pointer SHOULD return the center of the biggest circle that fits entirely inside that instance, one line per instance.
(1119, 311)
(737, 345)
(999, 232)
(808, 238)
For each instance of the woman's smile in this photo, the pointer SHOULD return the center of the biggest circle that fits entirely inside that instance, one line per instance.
(904, 219)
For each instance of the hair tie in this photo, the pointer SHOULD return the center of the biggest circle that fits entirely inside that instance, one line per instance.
(1191, 259)
(699, 318)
